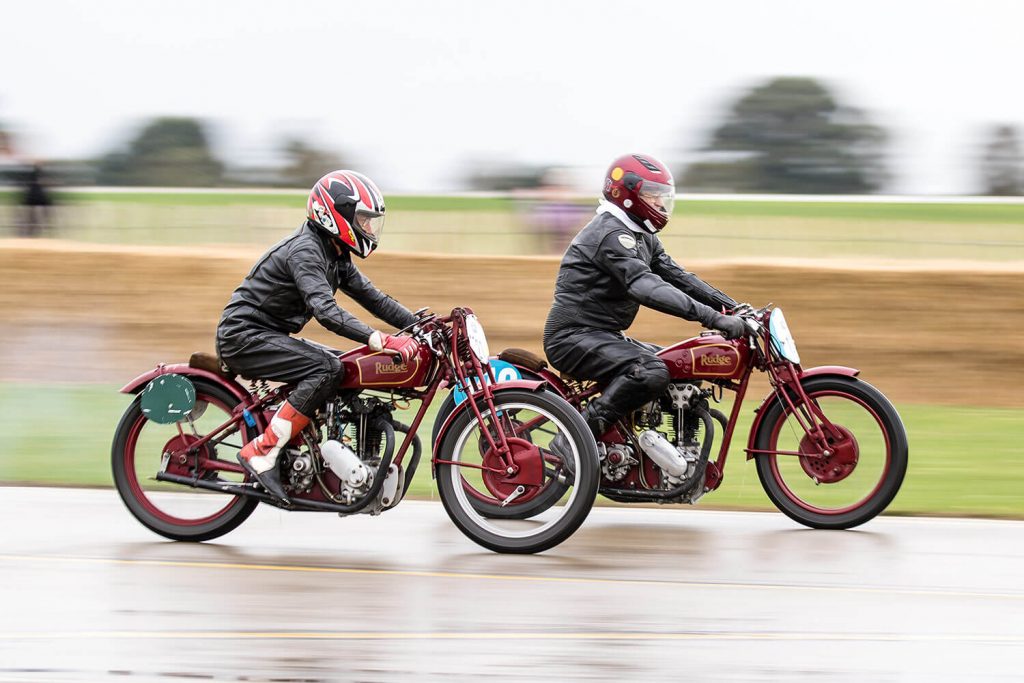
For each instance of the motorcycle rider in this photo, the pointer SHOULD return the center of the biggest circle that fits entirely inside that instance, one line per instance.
(615, 264)
(295, 281)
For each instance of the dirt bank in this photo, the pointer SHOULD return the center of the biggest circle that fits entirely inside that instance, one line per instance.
(944, 333)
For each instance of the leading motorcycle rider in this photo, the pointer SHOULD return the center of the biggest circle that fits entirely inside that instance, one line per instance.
(293, 282)
(615, 264)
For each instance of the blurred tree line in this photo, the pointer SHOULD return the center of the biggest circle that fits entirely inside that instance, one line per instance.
(176, 152)
(794, 136)
(784, 135)
(791, 135)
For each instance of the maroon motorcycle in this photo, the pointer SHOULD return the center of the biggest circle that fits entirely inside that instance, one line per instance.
(174, 451)
(830, 449)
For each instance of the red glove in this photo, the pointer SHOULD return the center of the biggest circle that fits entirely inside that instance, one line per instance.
(405, 347)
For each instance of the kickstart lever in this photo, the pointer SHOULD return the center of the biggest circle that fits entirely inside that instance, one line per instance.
(520, 490)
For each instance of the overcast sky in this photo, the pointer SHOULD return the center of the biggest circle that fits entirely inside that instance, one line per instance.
(415, 90)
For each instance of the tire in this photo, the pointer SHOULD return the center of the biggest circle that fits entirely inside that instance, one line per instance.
(171, 510)
(460, 443)
(555, 489)
(793, 482)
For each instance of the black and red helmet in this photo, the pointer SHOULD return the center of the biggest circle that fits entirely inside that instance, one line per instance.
(348, 206)
(643, 187)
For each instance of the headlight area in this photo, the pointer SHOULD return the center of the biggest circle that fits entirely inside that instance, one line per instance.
(782, 338)
(477, 339)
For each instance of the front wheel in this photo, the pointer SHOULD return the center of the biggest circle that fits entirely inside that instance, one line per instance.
(553, 490)
(866, 465)
(473, 471)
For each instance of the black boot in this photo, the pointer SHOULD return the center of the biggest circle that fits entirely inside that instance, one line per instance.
(270, 480)
(597, 419)
(561, 447)
(598, 424)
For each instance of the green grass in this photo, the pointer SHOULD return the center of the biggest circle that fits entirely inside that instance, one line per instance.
(963, 460)
(500, 226)
(296, 200)
(946, 213)
(949, 213)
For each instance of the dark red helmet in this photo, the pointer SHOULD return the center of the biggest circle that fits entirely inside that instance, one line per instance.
(643, 187)
(348, 206)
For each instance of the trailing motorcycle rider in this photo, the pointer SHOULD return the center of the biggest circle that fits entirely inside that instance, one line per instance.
(615, 264)
(293, 282)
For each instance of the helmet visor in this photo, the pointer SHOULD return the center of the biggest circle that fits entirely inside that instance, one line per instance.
(658, 196)
(370, 224)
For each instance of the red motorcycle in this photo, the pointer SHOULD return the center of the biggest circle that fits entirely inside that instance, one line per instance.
(830, 449)
(187, 423)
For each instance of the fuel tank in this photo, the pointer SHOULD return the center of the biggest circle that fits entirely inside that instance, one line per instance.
(706, 357)
(376, 369)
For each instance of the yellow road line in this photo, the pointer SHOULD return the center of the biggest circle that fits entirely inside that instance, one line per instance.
(191, 564)
(513, 635)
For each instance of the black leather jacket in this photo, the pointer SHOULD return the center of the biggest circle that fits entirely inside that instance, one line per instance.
(609, 271)
(296, 280)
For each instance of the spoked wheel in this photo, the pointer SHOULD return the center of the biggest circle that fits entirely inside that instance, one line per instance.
(139, 452)
(538, 501)
(483, 478)
(865, 466)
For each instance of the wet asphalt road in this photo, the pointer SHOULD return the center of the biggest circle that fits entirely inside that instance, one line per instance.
(88, 594)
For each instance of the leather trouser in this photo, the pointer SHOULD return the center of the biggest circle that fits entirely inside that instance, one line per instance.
(267, 354)
(631, 372)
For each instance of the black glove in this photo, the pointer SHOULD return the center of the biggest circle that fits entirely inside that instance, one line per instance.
(732, 327)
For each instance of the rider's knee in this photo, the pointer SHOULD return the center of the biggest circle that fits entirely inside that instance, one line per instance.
(655, 375)
(335, 370)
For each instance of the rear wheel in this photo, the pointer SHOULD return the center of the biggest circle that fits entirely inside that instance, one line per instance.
(476, 473)
(865, 467)
(171, 510)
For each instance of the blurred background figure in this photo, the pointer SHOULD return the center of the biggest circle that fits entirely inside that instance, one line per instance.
(555, 213)
(37, 203)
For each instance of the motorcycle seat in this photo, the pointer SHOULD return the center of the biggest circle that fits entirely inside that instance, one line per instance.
(211, 363)
(523, 358)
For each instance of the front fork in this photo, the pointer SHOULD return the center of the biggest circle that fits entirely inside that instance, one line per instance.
(785, 379)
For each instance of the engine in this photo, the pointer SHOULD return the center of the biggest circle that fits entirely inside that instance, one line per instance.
(616, 460)
(356, 443)
(679, 448)
(301, 469)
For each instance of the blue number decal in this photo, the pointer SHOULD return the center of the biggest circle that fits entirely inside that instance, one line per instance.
(503, 372)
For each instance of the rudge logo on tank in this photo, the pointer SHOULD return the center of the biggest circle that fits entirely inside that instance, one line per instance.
(390, 368)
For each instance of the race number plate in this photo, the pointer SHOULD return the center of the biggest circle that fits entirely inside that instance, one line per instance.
(168, 399)
(503, 372)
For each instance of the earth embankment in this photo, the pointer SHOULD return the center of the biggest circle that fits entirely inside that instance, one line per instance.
(927, 332)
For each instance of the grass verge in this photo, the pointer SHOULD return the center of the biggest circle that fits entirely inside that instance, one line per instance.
(963, 460)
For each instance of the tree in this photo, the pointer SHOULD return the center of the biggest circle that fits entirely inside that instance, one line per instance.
(790, 135)
(167, 151)
(1002, 164)
(305, 164)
